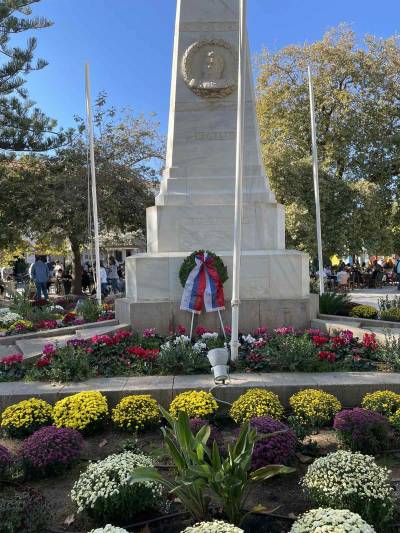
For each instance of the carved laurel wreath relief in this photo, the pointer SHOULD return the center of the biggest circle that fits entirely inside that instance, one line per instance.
(208, 68)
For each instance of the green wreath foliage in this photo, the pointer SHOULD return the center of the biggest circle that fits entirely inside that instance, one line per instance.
(190, 262)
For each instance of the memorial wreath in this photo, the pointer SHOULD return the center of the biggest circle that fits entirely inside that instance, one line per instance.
(202, 275)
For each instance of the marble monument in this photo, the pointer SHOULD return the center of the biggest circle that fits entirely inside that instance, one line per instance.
(195, 206)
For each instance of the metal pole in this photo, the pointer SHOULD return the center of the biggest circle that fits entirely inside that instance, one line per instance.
(237, 236)
(94, 190)
(316, 182)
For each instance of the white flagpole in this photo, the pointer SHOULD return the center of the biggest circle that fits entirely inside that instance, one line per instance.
(94, 190)
(316, 182)
(237, 236)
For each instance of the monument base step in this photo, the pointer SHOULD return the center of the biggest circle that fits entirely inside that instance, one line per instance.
(264, 275)
(167, 316)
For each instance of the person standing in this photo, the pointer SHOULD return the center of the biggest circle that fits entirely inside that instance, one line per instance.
(40, 275)
(113, 277)
(397, 270)
(103, 280)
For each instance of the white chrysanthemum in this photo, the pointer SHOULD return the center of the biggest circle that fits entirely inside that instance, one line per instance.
(209, 335)
(342, 474)
(109, 529)
(182, 339)
(199, 346)
(353, 481)
(106, 478)
(6, 319)
(57, 308)
(249, 339)
(327, 520)
(165, 346)
(213, 527)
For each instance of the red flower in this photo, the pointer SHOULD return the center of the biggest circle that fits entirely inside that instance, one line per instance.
(102, 339)
(120, 335)
(369, 341)
(10, 359)
(46, 324)
(43, 361)
(320, 341)
(254, 358)
(339, 341)
(200, 331)
(327, 356)
(142, 353)
(181, 330)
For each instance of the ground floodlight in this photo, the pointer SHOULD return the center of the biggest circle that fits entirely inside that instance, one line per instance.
(219, 358)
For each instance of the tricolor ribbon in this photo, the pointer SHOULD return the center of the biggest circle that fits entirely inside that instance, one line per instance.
(203, 286)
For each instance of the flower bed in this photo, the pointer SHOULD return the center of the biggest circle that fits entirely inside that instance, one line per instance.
(114, 487)
(26, 317)
(353, 490)
(125, 353)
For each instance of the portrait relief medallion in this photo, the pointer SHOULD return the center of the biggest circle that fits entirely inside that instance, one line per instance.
(208, 68)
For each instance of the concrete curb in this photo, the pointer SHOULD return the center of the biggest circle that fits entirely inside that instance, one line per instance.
(364, 322)
(349, 387)
(59, 332)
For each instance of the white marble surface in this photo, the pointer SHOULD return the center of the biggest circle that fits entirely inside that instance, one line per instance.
(195, 207)
(188, 228)
(269, 274)
(202, 131)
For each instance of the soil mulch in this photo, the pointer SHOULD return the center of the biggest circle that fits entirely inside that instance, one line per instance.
(282, 495)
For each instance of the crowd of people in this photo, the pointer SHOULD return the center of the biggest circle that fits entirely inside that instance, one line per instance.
(47, 274)
(375, 273)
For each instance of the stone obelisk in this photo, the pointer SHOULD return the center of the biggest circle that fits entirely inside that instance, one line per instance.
(195, 207)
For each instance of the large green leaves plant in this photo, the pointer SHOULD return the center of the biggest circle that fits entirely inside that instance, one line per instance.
(203, 475)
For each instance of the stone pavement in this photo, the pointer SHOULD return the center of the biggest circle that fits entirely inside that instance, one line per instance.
(31, 345)
(371, 296)
(349, 387)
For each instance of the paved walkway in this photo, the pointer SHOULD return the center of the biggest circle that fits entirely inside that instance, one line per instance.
(371, 296)
(349, 387)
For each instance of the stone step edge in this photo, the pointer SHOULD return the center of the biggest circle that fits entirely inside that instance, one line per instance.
(348, 387)
(10, 339)
(365, 322)
(83, 334)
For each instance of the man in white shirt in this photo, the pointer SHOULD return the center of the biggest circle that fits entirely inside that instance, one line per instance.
(342, 278)
(103, 279)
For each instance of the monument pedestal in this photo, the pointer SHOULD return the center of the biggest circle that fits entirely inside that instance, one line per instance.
(195, 207)
(273, 292)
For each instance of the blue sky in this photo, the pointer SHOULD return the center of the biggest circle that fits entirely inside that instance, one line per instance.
(128, 44)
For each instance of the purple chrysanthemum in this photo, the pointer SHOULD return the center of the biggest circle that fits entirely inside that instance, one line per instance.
(50, 450)
(362, 430)
(197, 423)
(278, 449)
(5, 460)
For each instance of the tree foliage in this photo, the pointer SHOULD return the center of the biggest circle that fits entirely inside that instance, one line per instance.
(23, 127)
(48, 195)
(358, 118)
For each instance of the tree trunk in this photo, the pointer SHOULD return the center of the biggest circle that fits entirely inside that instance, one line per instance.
(76, 267)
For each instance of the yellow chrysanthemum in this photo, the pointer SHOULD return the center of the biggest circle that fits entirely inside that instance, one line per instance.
(385, 402)
(254, 403)
(136, 412)
(84, 411)
(196, 404)
(23, 418)
(314, 408)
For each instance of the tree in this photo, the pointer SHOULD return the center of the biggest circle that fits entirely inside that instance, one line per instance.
(52, 191)
(23, 127)
(358, 116)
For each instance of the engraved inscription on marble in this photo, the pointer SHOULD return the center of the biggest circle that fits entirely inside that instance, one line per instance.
(209, 26)
(208, 68)
(214, 135)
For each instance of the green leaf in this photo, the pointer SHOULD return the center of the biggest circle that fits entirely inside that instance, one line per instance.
(266, 472)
